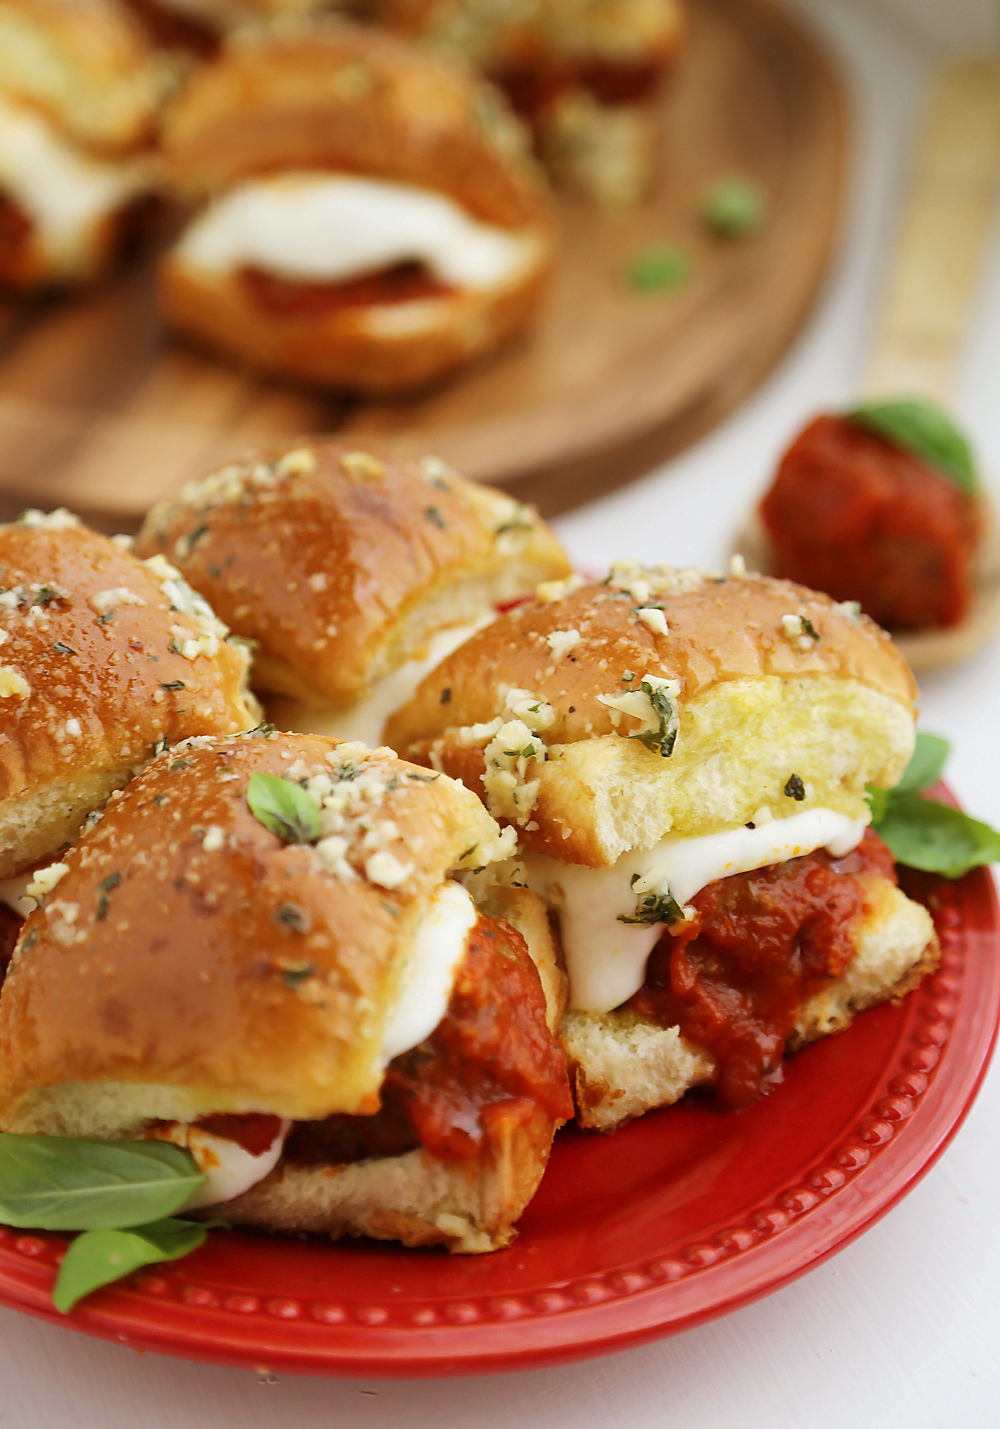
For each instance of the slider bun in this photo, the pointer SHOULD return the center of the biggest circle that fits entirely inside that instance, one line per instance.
(545, 35)
(753, 709)
(347, 99)
(414, 1198)
(342, 565)
(84, 695)
(190, 962)
(623, 1064)
(352, 101)
(88, 64)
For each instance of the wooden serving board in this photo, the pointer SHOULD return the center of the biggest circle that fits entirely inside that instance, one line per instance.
(102, 412)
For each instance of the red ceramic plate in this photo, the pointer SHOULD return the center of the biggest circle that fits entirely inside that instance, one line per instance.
(680, 1217)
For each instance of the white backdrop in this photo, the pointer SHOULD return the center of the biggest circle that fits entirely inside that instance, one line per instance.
(900, 1329)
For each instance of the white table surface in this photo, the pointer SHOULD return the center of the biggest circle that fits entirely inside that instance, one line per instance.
(902, 1327)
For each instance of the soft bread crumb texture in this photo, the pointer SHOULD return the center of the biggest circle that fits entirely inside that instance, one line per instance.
(89, 66)
(753, 708)
(623, 1064)
(237, 974)
(470, 1207)
(343, 563)
(98, 639)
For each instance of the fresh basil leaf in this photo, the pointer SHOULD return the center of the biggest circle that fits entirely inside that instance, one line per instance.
(936, 838)
(734, 207)
(284, 808)
(60, 1183)
(878, 802)
(97, 1258)
(658, 270)
(926, 763)
(926, 432)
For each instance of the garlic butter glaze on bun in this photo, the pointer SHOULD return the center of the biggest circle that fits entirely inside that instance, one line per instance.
(102, 657)
(80, 92)
(374, 221)
(355, 573)
(656, 739)
(191, 967)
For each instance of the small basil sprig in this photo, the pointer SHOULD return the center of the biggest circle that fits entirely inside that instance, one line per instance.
(284, 808)
(922, 833)
(97, 1258)
(926, 432)
(61, 1183)
(120, 1194)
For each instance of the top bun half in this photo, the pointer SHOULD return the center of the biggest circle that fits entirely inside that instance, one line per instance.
(89, 65)
(342, 564)
(350, 99)
(102, 656)
(766, 680)
(187, 960)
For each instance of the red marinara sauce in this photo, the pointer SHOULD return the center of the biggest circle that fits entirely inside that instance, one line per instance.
(856, 516)
(15, 227)
(402, 283)
(11, 924)
(490, 1063)
(759, 946)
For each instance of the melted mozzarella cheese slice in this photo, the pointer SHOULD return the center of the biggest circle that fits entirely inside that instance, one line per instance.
(64, 191)
(230, 1169)
(326, 228)
(605, 958)
(13, 892)
(438, 948)
(366, 719)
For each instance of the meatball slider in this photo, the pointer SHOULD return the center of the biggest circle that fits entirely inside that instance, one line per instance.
(281, 974)
(353, 573)
(80, 92)
(373, 221)
(586, 76)
(103, 659)
(685, 760)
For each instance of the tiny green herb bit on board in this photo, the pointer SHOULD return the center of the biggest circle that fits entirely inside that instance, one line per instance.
(657, 270)
(920, 832)
(925, 431)
(283, 807)
(734, 206)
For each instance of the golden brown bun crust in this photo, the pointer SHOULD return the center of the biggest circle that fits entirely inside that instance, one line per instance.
(319, 554)
(716, 631)
(89, 65)
(351, 99)
(85, 694)
(543, 36)
(188, 947)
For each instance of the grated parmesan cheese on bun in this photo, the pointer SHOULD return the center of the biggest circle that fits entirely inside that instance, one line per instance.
(103, 659)
(354, 572)
(272, 964)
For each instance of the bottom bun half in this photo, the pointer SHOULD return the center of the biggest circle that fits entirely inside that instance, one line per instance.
(378, 349)
(469, 1206)
(623, 1064)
